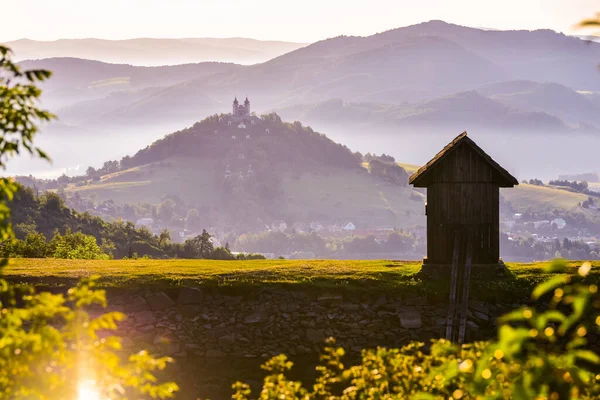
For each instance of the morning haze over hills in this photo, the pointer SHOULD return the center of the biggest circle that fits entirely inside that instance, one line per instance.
(532, 97)
(377, 93)
(368, 112)
(408, 214)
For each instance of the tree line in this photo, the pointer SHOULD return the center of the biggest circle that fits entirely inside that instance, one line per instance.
(288, 243)
(45, 227)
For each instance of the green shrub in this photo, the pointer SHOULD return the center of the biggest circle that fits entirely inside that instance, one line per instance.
(76, 246)
(250, 256)
(539, 353)
(51, 348)
(221, 253)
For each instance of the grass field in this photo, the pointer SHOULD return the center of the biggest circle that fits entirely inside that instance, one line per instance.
(410, 168)
(174, 272)
(323, 193)
(594, 186)
(333, 193)
(382, 275)
(541, 198)
(191, 179)
(356, 196)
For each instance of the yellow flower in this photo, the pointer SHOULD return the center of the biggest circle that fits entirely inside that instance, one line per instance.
(499, 354)
(549, 331)
(486, 374)
(466, 366)
(457, 394)
(534, 332)
(585, 268)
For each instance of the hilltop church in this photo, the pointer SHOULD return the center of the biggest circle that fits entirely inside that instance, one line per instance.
(241, 110)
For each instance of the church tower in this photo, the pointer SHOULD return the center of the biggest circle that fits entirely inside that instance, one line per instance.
(235, 106)
(247, 106)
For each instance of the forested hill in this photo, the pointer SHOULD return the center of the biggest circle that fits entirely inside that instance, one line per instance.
(247, 172)
(251, 141)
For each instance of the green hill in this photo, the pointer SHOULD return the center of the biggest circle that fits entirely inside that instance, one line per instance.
(542, 198)
(252, 173)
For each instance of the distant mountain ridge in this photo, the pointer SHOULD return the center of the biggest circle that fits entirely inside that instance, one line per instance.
(434, 76)
(448, 112)
(155, 52)
(552, 98)
(414, 63)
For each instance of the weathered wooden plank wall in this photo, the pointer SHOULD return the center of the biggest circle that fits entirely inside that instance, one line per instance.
(463, 194)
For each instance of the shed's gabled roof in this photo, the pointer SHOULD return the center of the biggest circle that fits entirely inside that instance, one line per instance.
(507, 180)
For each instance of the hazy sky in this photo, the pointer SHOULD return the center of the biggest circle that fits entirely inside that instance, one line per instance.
(302, 21)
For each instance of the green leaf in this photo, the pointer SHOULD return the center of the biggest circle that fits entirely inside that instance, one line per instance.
(548, 286)
(588, 355)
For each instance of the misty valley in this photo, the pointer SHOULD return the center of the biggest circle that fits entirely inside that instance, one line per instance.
(408, 214)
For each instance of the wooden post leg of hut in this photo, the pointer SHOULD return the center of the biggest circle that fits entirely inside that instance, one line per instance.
(465, 294)
(453, 287)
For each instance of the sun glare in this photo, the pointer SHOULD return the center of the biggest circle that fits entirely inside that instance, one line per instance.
(86, 390)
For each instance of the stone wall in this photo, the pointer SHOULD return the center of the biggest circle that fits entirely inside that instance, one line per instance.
(266, 322)
(204, 327)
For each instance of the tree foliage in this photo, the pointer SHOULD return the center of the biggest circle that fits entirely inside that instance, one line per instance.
(539, 353)
(65, 350)
(200, 246)
(50, 346)
(75, 246)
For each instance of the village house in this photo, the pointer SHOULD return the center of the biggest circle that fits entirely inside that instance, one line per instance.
(316, 226)
(299, 227)
(349, 227)
(278, 226)
(148, 222)
(541, 224)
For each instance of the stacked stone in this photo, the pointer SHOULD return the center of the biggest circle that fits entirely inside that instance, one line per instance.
(193, 321)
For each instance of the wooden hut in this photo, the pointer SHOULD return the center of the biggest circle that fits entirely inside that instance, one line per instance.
(463, 194)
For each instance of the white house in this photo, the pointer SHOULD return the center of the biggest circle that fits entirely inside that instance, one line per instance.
(509, 224)
(145, 222)
(300, 227)
(279, 226)
(541, 224)
(349, 226)
(316, 226)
